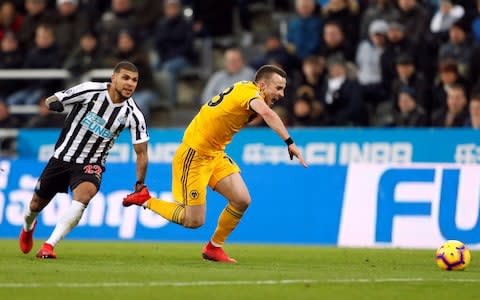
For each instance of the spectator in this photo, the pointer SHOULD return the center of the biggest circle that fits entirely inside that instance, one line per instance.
(408, 75)
(147, 12)
(128, 49)
(37, 13)
(346, 14)
(10, 20)
(70, 23)
(369, 66)
(335, 43)
(120, 15)
(11, 57)
(235, 70)
(174, 43)
(274, 53)
(415, 18)
(397, 43)
(376, 10)
(302, 33)
(455, 114)
(45, 55)
(448, 76)
(458, 47)
(313, 74)
(408, 112)
(86, 56)
(342, 96)
(303, 107)
(6, 119)
(474, 112)
(446, 15)
(45, 117)
(307, 109)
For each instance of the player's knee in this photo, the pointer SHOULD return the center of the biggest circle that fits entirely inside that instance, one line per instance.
(35, 206)
(242, 203)
(193, 222)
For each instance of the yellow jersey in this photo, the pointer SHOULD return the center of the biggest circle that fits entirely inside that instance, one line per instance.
(213, 127)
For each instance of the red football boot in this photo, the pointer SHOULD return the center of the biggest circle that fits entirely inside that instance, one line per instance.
(213, 253)
(46, 251)
(26, 239)
(137, 198)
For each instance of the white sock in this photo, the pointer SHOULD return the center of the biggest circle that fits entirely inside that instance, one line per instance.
(215, 244)
(66, 223)
(29, 218)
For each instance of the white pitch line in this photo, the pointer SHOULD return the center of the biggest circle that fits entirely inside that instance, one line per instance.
(7, 285)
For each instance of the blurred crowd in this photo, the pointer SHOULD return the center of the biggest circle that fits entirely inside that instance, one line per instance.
(395, 63)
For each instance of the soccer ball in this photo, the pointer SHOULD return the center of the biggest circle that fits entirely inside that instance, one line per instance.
(452, 256)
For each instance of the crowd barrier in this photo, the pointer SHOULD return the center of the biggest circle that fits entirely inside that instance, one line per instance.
(364, 188)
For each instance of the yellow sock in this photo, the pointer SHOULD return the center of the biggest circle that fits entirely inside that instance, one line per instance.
(171, 211)
(228, 220)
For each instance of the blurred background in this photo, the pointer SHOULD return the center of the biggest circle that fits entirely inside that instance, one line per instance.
(372, 84)
(373, 63)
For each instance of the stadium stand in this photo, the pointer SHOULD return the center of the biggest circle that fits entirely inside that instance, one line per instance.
(253, 24)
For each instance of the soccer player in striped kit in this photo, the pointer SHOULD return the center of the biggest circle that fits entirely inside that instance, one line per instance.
(201, 161)
(100, 112)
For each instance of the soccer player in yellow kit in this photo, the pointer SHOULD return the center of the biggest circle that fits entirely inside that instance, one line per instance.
(201, 160)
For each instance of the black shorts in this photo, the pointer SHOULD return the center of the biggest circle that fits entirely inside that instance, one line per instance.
(58, 175)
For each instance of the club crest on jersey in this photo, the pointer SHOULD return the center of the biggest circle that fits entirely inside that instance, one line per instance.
(96, 125)
(122, 120)
(194, 194)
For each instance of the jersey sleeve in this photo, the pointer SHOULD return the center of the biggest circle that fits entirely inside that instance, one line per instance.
(138, 126)
(80, 93)
(250, 94)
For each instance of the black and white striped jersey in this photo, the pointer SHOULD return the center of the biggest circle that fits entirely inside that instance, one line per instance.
(95, 122)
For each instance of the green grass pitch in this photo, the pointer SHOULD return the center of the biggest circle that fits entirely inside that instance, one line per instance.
(131, 270)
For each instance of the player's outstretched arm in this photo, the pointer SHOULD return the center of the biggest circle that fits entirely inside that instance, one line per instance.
(141, 164)
(54, 104)
(274, 122)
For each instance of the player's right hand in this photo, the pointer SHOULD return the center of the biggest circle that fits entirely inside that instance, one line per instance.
(56, 106)
(293, 151)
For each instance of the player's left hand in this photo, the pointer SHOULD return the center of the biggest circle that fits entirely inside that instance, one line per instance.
(293, 151)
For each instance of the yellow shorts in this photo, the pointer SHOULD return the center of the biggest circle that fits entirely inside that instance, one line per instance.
(192, 172)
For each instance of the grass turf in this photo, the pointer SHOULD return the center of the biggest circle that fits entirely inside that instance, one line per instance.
(123, 270)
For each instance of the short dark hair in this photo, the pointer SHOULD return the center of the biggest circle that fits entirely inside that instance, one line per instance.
(266, 71)
(475, 97)
(448, 65)
(404, 59)
(125, 65)
(409, 91)
(457, 86)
